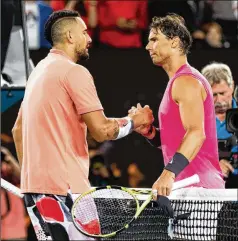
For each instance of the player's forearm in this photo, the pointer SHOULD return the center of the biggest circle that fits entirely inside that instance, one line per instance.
(112, 129)
(188, 149)
(103, 128)
(191, 144)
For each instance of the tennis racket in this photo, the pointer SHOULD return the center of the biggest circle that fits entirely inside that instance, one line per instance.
(11, 188)
(103, 212)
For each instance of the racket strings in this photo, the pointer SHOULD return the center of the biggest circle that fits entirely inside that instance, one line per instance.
(104, 211)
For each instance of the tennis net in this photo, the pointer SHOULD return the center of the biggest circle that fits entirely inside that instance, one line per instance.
(213, 216)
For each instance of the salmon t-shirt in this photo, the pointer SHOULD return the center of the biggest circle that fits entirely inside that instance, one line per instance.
(55, 151)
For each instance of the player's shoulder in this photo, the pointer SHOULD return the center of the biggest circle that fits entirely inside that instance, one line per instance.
(187, 81)
(80, 69)
(186, 85)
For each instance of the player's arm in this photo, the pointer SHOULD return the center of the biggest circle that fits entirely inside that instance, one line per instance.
(103, 128)
(189, 94)
(17, 136)
(80, 86)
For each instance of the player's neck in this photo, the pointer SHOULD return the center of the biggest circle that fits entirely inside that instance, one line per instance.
(68, 51)
(174, 63)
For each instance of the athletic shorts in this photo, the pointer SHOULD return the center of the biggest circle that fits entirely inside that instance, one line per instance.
(51, 216)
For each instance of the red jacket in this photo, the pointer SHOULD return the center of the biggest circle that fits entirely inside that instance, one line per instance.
(110, 11)
(57, 4)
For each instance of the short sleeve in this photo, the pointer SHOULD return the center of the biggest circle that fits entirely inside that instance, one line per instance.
(80, 86)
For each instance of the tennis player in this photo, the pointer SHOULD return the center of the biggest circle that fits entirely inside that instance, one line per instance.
(187, 131)
(60, 102)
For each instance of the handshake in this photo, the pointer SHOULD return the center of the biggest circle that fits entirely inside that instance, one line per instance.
(142, 118)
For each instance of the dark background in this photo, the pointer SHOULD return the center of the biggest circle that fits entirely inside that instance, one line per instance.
(123, 78)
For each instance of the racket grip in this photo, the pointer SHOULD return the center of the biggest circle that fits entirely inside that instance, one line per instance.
(11, 188)
(186, 182)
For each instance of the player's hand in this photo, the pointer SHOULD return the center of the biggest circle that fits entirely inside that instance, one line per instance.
(143, 116)
(226, 167)
(164, 184)
(143, 130)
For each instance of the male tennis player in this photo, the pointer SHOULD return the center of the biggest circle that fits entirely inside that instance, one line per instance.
(60, 102)
(187, 132)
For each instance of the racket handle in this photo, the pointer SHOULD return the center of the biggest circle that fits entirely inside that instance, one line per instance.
(11, 188)
(186, 182)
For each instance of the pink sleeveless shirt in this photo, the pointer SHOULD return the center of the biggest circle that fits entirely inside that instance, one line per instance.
(206, 162)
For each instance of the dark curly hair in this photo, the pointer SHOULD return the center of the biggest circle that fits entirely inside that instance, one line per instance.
(51, 31)
(173, 25)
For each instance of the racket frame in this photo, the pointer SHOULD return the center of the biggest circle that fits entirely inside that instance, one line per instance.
(107, 187)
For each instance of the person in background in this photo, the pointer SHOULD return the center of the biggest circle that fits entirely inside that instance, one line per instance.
(13, 214)
(225, 14)
(213, 36)
(220, 78)
(135, 176)
(121, 23)
(100, 173)
(192, 11)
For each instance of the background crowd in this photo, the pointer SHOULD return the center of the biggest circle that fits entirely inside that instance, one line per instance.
(124, 24)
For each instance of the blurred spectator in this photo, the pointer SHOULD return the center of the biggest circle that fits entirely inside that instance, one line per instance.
(214, 36)
(121, 23)
(225, 14)
(10, 169)
(220, 78)
(193, 13)
(135, 176)
(58, 4)
(100, 174)
(13, 222)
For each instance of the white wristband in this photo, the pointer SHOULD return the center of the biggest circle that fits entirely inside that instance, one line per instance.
(126, 126)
